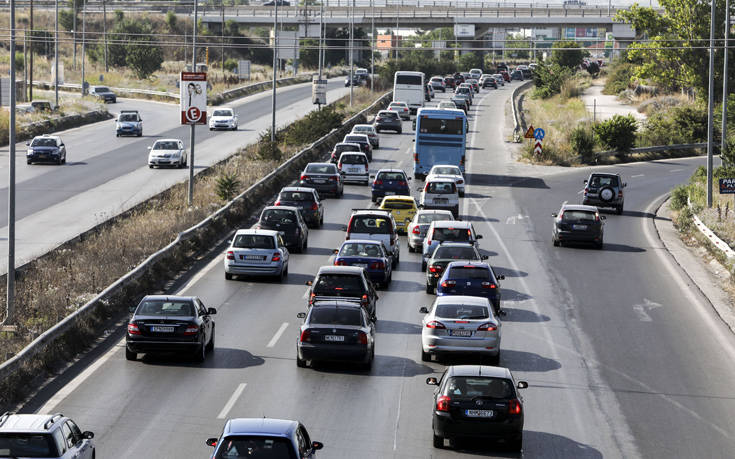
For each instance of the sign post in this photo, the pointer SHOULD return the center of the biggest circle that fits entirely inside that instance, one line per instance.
(318, 91)
(193, 106)
(539, 135)
(243, 70)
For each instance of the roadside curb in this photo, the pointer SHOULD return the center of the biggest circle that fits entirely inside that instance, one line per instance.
(702, 275)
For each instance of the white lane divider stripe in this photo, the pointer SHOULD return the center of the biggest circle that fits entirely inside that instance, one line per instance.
(231, 402)
(278, 334)
(637, 175)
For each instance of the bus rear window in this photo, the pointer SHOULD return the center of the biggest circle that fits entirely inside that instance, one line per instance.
(408, 79)
(439, 126)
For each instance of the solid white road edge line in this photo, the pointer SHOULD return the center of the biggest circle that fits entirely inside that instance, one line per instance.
(231, 402)
(278, 334)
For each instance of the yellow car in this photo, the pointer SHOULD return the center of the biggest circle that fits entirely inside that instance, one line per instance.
(403, 209)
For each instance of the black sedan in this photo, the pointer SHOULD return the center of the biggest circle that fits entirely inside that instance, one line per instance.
(287, 220)
(163, 323)
(578, 223)
(336, 331)
(388, 121)
(477, 401)
(323, 177)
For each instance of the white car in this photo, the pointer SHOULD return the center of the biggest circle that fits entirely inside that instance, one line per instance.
(354, 167)
(256, 252)
(446, 170)
(476, 73)
(440, 192)
(368, 130)
(223, 118)
(167, 152)
(401, 108)
(447, 105)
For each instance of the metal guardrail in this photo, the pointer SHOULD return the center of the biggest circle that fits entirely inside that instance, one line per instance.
(679, 146)
(517, 129)
(66, 325)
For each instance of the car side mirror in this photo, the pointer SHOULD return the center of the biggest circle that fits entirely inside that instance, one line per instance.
(211, 311)
(335, 251)
(585, 181)
(522, 385)
(317, 445)
(301, 315)
(432, 381)
(372, 176)
(149, 148)
(408, 178)
(308, 283)
(131, 309)
(625, 184)
(88, 435)
(502, 313)
(501, 277)
(424, 310)
(419, 189)
(484, 257)
(344, 227)
(421, 206)
(554, 215)
(28, 143)
(211, 441)
(602, 217)
(479, 236)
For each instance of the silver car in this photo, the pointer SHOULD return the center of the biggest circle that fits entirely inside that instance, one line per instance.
(460, 325)
(256, 252)
(167, 152)
(416, 230)
(452, 171)
(368, 130)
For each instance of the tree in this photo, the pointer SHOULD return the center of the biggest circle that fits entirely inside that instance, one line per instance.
(470, 60)
(568, 53)
(171, 21)
(517, 45)
(132, 44)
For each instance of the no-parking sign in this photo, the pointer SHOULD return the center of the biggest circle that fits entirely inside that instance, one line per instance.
(193, 104)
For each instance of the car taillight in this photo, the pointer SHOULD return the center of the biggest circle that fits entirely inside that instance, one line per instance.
(449, 283)
(314, 206)
(339, 263)
(401, 183)
(230, 255)
(426, 187)
(364, 300)
(133, 329)
(333, 178)
(415, 157)
(416, 230)
(488, 326)
(586, 190)
(620, 193)
(561, 215)
(339, 165)
(304, 177)
(489, 285)
(461, 161)
(277, 203)
(435, 269)
(377, 265)
(435, 324)
(378, 182)
(305, 336)
(597, 217)
(191, 330)
(459, 182)
(276, 256)
(311, 298)
(514, 407)
(362, 337)
(442, 403)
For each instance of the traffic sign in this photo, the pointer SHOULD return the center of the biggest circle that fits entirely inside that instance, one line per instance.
(538, 149)
(539, 134)
(193, 92)
(727, 186)
(529, 133)
(318, 90)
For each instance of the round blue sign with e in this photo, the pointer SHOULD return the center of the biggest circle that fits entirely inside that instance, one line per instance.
(539, 134)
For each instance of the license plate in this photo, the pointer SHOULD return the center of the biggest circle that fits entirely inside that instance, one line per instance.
(579, 227)
(361, 265)
(479, 413)
(319, 181)
(353, 170)
(253, 257)
(390, 193)
(334, 338)
(440, 201)
(461, 332)
(162, 329)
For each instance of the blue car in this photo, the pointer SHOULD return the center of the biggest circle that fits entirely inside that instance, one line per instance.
(390, 182)
(369, 255)
(472, 279)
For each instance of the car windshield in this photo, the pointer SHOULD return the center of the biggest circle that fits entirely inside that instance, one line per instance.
(578, 215)
(441, 188)
(456, 253)
(391, 176)
(166, 145)
(27, 445)
(353, 159)
(339, 285)
(451, 234)
(335, 316)
(461, 311)
(40, 142)
(471, 387)
(296, 196)
(397, 204)
(355, 139)
(321, 169)
(469, 272)
(101, 89)
(340, 147)
(278, 216)
(446, 170)
(222, 113)
(128, 117)
(370, 225)
(360, 249)
(255, 447)
(428, 218)
(166, 308)
(253, 241)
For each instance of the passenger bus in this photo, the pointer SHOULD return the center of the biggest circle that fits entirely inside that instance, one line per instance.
(440, 139)
(408, 87)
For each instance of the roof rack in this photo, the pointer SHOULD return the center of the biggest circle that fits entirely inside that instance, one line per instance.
(54, 417)
(5, 416)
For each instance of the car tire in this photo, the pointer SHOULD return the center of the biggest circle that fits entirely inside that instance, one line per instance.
(150, 166)
(516, 444)
(599, 245)
(461, 195)
(438, 441)
(58, 162)
(29, 162)
(429, 289)
(410, 249)
(117, 135)
(210, 344)
(556, 242)
(200, 355)
(423, 266)
(367, 366)
(211, 129)
(400, 131)
(619, 210)
(228, 276)
(492, 360)
(130, 355)
(301, 363)
(140, 134)
(425, 356)
(321, 221)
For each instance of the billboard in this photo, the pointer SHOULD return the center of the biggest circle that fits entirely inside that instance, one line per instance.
(193, 92)
(464, 30)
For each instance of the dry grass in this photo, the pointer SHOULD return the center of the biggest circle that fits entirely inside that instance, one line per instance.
(557, 117)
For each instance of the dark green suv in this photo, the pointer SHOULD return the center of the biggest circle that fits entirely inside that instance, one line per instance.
(604, 190)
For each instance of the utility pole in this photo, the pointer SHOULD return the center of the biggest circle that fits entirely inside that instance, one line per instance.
(190, 198)
(321, 36)
(25, 62)
(30, 64)
(723, 141)
(223, 39)
(275, 64)
(104, 31)
(372, 44)
(10, 287)
(352, 60)
(710, 105)
(56, 55)
(74, 32)
(84, 41)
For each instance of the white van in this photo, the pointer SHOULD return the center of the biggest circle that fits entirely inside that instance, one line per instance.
(409, 87)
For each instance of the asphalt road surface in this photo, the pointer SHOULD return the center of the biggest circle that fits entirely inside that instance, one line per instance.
(623, 356)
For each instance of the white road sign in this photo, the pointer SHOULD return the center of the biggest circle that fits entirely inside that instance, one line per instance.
(193, 87)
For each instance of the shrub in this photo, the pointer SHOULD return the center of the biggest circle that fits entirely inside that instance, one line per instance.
(266, 149)
(231, 65)
(226, 186)
(684, 219)
(582, 139)
(568, 53)
(617, 133)
(171, 21)
(684, 124)
(549, 78)
(679, 197)
(619, 78)
(312, 126)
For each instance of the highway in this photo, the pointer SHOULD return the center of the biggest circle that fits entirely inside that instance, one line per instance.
(623, 357)
(106, 175)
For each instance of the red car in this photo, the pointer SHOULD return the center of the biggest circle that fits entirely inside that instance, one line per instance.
(506, 75)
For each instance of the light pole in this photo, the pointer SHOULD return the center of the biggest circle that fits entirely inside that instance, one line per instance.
(56, 55)
(710, 105)
(104, 31)
(723, 141)
(84, 41)
(30, 63)
(321, 36)
(190, 197)
(10, 287)
(275, 62)
(372, 44)
(223, 39)
(352, 63)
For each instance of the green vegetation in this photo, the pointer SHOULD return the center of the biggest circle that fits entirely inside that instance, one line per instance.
(226, 186)
(617, 133)
(582, 140)
(619, 77)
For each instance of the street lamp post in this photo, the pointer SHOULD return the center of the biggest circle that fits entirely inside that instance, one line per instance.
(710, 105)
(275, 71)
(84, 40)
(10, 284)
(352, 64)
(321, 37)
(56, 55)
(372, 45)
(723, 141)
(190, 196)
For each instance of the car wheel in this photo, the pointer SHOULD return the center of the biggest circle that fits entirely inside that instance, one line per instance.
(429, 288)
(438, 441)
(211, 129)
(301, 363)
(423, 266)
(410, 249)
(425, 356)
(201, 353)
(130, 355)
(228, 276)
(150, 166)
(492, 360)
(619, 210)
(210, 345)
(556, 242)
(461, 195)
(58, 162)
(140, 134)
(321, 221)
(599, 245)
(516, 444)
(369, 364)
(117, 135)
(400, 131)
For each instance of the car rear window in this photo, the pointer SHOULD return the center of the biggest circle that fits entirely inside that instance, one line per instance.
(353, 159)
(355, 138)
(397, 204)
(456, 253)
(339, 148)
(446, 170)
(27, 445)
(279, 216)
(253, 241)
(471, 387)
(603, 181)
(335, 316)
(451, 234)
(428, 218)
(360, 249)
(296, 196)
(408, 79)
(578, 215)
(128, 117)
(321, 169)
(391, 115)
(391, 176)
(339, 285)
(255, 447)
(166, 308)
(469, 273)
(362, 129)
(441, 187)
(370, 225)
(461, 311)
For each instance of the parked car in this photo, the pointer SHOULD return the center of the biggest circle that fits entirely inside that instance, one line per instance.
(446, 253)
(401, 108)
(167, 152)
(46, 148)
(460, 325)
(50, 436)
(354, 167)
(362, 140)
(578, 223)
(368, 130)
(223, 118)
(387, 120)
(449, 231)
(305, 199)
(256, 252)
(376, 225)
(323, 177)
(604, 190)
(478, 402)
(288, 221)
(440, 192)
(162, 323)
(103, 93)
(370, 255)
(446, 170)
(245, 437)
(403, 209)
(473, 278)
(420, 224)
(341, 148)
(335, 331)
(129, 122)
(344, 283)
(389, 182)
